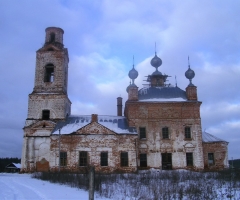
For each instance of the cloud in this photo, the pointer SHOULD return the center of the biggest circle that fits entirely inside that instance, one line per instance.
(102, 37)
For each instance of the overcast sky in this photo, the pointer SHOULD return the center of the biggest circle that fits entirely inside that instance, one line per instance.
(102, 37)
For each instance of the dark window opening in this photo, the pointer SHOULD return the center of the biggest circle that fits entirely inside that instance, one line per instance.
(49, 73)
(52, 37)
(210, 159)
(50, 49)
(142, 131)
(143, 160)
(165, 134)
(124, 159)
(46, 114)
(63, 158)
(189, 158)
(83, 158)
(166, 161)
(187, 132)
(104, 158)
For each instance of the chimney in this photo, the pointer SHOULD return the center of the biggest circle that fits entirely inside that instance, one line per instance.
(94, 118)
(191, 91)
(119, 106)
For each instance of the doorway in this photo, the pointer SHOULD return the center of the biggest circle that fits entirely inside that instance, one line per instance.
(166, 161)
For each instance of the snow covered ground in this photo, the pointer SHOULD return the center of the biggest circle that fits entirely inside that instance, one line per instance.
(22, 186)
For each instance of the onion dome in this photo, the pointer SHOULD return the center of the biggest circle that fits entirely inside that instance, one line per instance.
(133, 73)
(156, 61)
(190, 74)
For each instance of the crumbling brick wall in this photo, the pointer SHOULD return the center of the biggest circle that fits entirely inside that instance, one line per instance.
(220, 152)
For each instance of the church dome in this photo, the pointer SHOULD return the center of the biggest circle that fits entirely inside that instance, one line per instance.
(189, 73)
(133, 73)
(156, 61)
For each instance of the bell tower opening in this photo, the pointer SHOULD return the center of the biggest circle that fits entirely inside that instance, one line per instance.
(49, 73)
(46, 114)
(52, 37)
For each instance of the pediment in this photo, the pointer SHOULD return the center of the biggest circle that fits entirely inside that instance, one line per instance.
(43, 125)
(95, 128)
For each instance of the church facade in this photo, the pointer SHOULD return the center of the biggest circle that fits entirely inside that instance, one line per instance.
(161, 126)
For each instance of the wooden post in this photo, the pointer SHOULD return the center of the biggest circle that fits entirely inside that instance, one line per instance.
(91, 183)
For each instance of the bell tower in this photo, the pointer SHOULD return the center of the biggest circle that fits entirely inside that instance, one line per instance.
(49, 99)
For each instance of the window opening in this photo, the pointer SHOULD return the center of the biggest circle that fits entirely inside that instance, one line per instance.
(83, 158)
(104, 158)
(166, 161)
(142, 131)
(49, 73)
(187, 132)
(46, 114)
(210, 159)
(52, 37)
(63, 158)
(143, 160)
(124, 159)
(165, 134)
(189, 158)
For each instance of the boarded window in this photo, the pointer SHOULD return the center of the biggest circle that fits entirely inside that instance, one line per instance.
(189, 158)
(46, 114)
(187, 132)
(165, 134)
(143, 160)
(83, 158)
(142, 132)
(124, 159)
(210, 159)
(63, 158)
(49, 73)
(104, 158)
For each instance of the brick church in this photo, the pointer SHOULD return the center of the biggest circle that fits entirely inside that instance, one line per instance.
(161, 126)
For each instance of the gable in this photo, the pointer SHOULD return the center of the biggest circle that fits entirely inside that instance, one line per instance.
(95, 128)
(40, 128)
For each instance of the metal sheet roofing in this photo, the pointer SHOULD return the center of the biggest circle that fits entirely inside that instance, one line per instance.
(207, 137)
(117, 124)
(162, 94)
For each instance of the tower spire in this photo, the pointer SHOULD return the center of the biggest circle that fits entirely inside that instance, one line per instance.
(155, 49)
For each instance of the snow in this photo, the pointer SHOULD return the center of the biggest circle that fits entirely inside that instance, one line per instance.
(18, 165)
(22, 186)
(163, 99)
(117, 124)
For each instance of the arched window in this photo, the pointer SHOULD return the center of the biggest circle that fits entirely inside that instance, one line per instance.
(49, 73)
(52, 37)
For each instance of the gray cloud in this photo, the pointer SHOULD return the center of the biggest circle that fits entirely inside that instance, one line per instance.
(102, 37)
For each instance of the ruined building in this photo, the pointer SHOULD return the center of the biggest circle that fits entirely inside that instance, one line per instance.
(161, 126)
